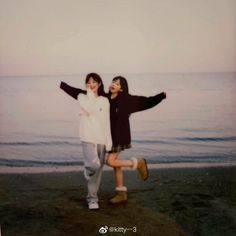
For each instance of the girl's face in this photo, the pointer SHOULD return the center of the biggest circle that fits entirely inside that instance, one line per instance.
(93, 85)
(115, 86)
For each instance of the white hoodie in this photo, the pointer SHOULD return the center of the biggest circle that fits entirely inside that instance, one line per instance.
(95, 119)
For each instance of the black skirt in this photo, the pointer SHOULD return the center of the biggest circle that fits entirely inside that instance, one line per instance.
(119, 148)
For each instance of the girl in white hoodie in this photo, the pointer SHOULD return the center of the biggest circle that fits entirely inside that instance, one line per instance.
(95, 134)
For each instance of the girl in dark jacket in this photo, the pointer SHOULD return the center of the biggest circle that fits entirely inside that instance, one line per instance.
(122, 105)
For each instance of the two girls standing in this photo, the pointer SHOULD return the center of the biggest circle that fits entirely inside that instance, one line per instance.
(122, 105)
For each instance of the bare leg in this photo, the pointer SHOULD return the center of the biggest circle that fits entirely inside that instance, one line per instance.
(119, 176)
(121, 190)
(113, 161)
(134, 163)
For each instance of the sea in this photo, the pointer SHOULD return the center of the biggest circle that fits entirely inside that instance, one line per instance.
(39, 123)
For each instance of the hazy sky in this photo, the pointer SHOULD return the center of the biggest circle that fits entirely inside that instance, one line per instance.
(109, 36)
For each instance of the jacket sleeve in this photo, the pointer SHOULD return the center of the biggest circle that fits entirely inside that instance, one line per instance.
(73, 92)
(141, 103)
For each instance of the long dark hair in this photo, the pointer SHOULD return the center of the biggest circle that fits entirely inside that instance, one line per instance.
(96, 77)
(123, 84)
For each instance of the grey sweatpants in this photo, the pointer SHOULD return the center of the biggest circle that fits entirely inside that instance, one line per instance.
(94, 158)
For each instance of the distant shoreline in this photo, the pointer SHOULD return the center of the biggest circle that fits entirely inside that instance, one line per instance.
(79, 168)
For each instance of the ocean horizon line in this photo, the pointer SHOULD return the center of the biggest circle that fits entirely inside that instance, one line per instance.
(127, 73)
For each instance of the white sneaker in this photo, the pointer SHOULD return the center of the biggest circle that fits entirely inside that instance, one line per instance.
(93, 206)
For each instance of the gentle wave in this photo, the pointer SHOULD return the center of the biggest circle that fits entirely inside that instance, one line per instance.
(49, 143)
(39, 143)
(14, 162)
(144, 141)
(209, 139)
(150, 141)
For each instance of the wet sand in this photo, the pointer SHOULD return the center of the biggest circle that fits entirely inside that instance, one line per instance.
(174, 201)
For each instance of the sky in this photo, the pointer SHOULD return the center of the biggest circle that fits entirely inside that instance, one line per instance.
(58, 37)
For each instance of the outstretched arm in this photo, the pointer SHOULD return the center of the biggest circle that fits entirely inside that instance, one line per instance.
(140, 103)
(73, 92)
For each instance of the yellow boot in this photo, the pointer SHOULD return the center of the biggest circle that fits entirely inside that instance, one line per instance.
(141, 166)
(121, 195)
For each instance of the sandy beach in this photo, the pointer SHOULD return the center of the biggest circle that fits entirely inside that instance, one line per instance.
(174, 201)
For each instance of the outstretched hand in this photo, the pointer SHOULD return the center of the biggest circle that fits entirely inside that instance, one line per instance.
(62, 84)
(164, 95)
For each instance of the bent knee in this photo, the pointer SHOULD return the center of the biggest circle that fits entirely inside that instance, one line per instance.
(110, 162)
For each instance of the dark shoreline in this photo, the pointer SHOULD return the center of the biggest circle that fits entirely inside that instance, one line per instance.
(182, 201)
